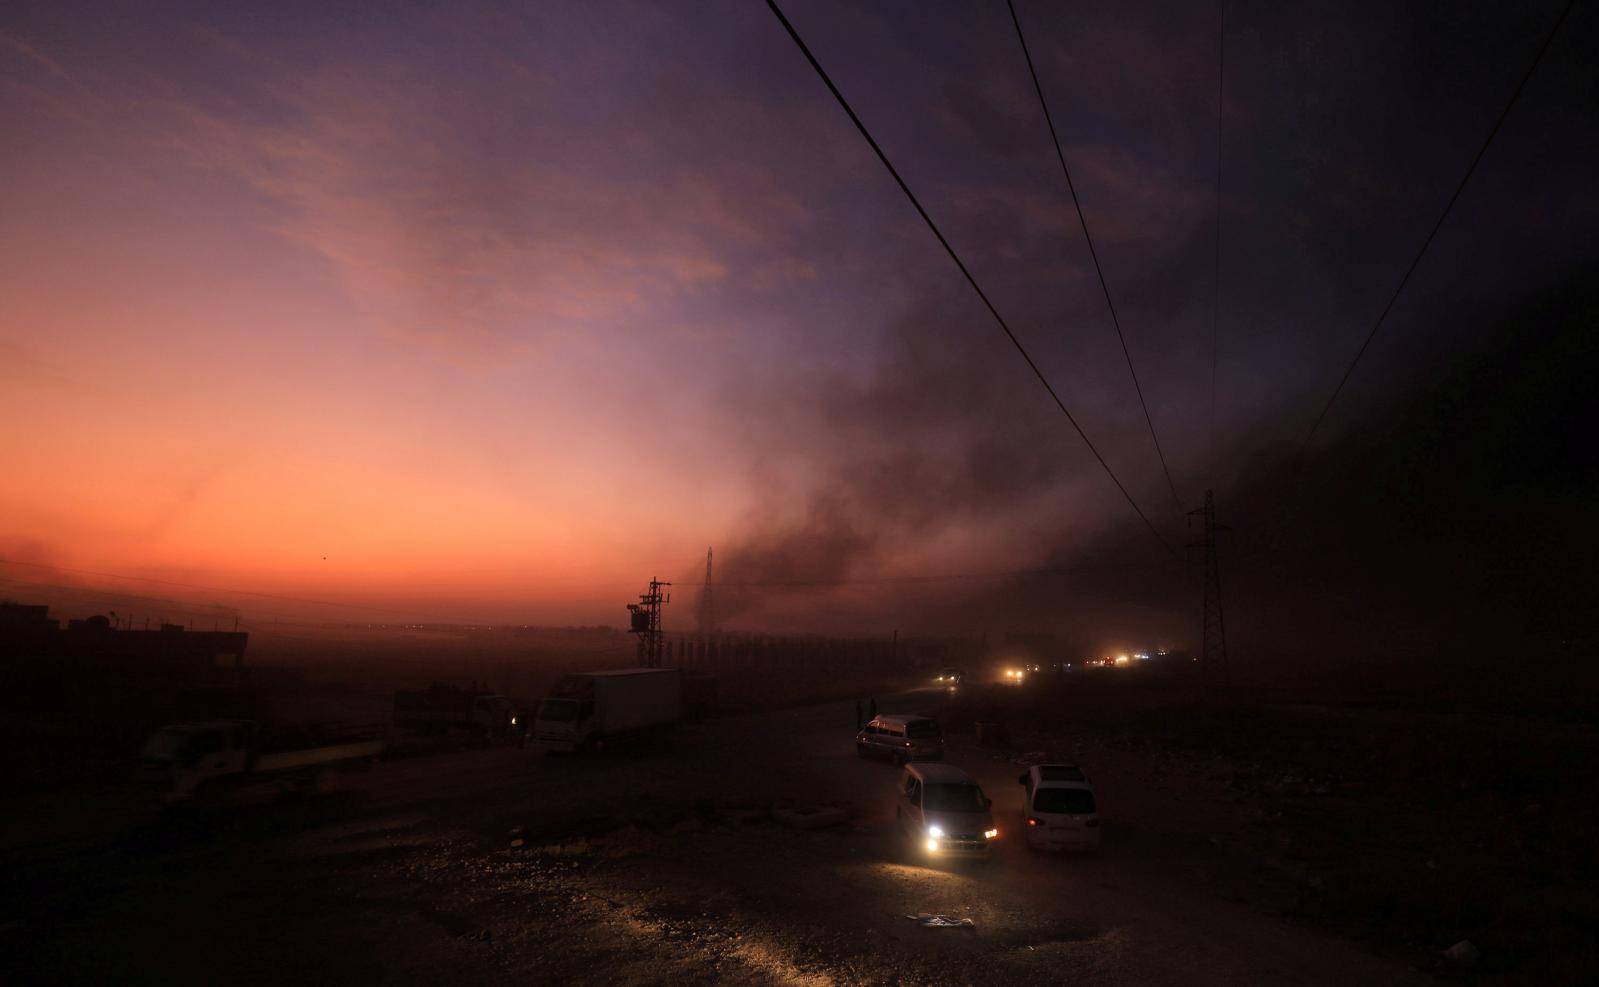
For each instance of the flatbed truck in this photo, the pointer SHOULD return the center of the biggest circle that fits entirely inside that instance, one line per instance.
(179, 759)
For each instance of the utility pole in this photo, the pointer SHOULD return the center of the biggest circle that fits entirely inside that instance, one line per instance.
(646, 623)
(1213, 650)
(707, 602)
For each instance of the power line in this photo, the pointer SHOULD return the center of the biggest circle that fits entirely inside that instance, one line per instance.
(1115, 321)
(248, 616)
(251, 593)
(935, 578)
(1215, 305)
(1004, 327)
(190, 607)
(1514, 96)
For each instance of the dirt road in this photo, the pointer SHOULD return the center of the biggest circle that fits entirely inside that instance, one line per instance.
(509, 866)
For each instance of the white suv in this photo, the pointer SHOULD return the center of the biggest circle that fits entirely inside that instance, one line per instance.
(1059, 811)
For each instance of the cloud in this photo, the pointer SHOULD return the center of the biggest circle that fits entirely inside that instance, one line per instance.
(39, 58)
(490, 226)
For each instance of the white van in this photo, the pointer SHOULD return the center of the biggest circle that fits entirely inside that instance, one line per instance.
(943, 813)
(1059, 811)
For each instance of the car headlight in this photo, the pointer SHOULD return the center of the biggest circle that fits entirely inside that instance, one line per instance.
(990, 834)
(932, 846)
(935, 831)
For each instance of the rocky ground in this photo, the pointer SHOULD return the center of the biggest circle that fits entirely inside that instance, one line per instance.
(502, 865)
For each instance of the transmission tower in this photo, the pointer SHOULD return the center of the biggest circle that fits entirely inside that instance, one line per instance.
(646, 623)
(1213, 650)
(707, 602)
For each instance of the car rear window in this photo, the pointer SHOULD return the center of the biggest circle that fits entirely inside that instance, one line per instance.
(1061, 772)
(1075, 801)
(921, 728)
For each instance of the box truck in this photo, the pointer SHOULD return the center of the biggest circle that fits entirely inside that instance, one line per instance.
(591, 710)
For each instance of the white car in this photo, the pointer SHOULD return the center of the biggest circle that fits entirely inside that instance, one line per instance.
(1059, 811)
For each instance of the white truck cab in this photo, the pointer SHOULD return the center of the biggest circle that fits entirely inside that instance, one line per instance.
(1058, 808)
(184, 756)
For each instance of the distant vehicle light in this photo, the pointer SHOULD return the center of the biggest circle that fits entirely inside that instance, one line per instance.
(932, 846)
(991, 834)
(1031, 821)
(935, 831)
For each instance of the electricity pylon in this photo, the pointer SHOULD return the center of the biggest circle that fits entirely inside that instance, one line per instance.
(1213, 649)
(646, 623)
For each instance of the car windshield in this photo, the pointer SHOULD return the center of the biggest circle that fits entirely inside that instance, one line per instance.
(558, 709)
(921, 728)
(953, 797)
(166, 744)
(1076, 801)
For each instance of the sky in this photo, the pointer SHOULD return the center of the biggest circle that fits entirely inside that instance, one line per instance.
(500, 310)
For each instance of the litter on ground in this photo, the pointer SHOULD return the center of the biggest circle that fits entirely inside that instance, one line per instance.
(927, 921)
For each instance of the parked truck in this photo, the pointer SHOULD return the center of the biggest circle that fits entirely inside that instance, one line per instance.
(178, 759)
(447, 709)
(590, 710)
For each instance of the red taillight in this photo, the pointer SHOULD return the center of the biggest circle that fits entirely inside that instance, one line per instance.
(1031, 821)
(908, 744)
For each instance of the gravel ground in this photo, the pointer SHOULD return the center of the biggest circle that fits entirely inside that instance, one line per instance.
(508, 866)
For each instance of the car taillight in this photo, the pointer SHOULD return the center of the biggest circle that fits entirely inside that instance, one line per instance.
(1031, 821)
(908, 743)
(1092, 824)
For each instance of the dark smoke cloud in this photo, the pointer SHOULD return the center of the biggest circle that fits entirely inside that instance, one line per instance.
(1457, 522)
(944, 433)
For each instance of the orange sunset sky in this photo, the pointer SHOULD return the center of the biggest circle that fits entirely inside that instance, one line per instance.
(504, 311)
